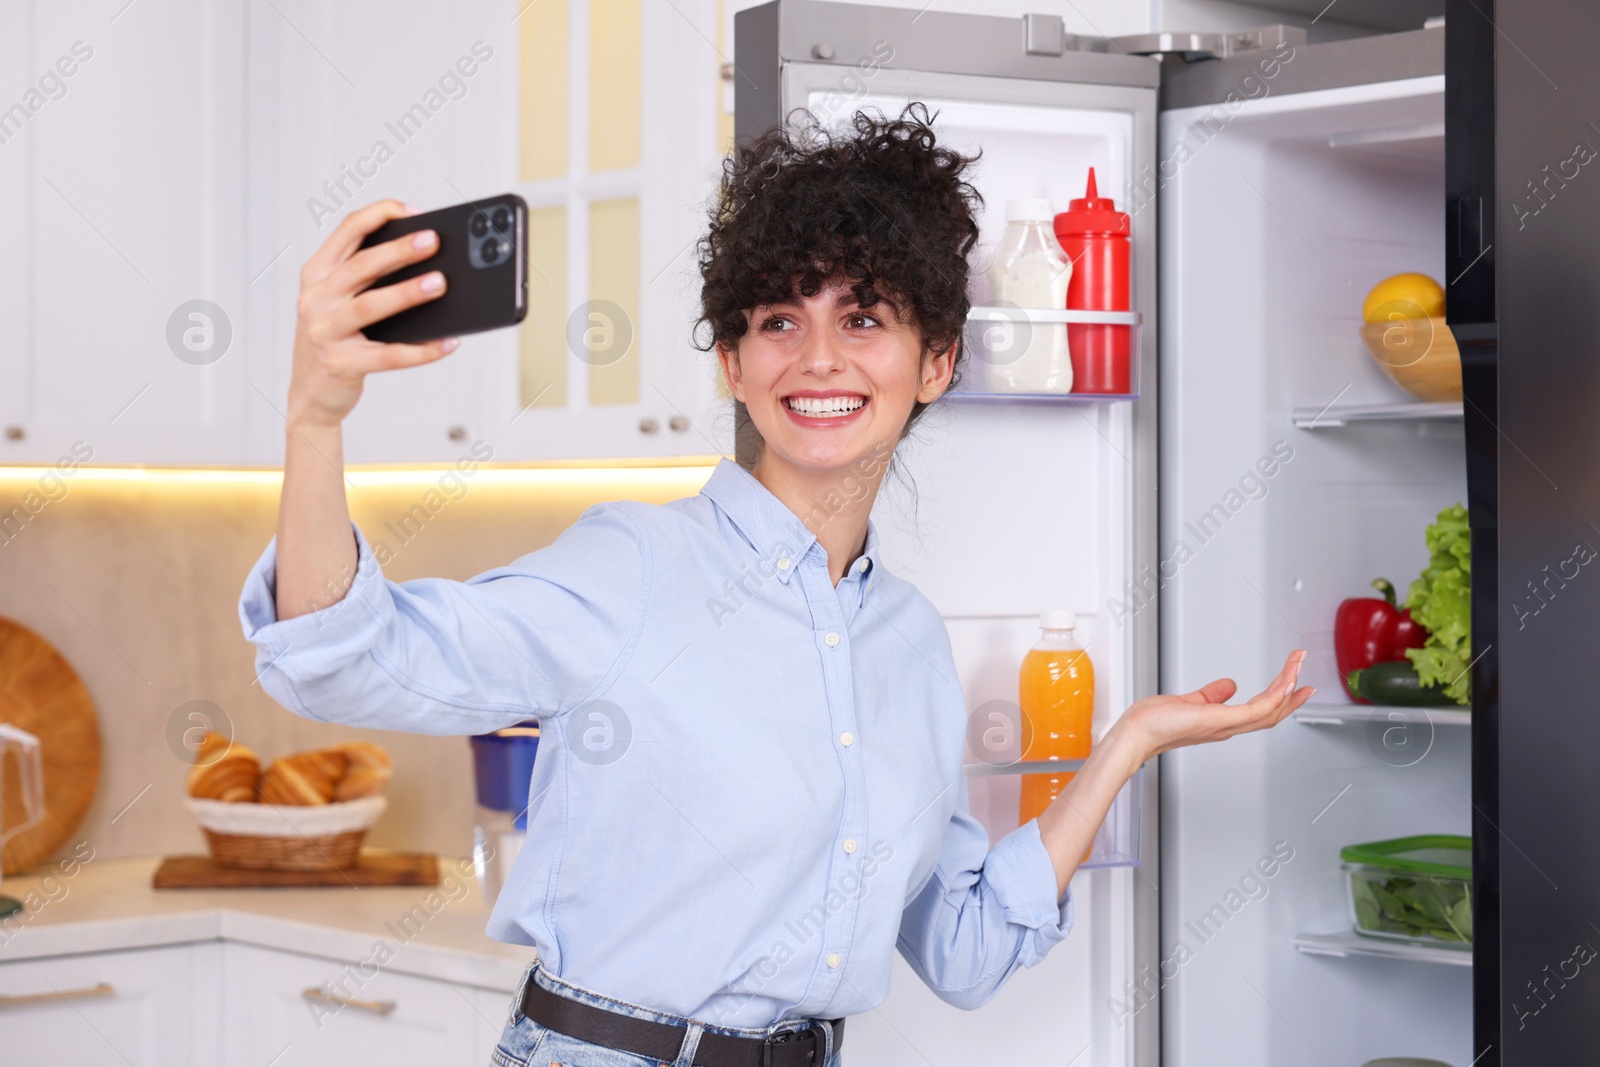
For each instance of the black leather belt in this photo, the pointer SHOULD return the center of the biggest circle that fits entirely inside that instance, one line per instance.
(661, 1041)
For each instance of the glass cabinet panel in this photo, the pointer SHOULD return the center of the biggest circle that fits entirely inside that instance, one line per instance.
(542, 342)
(543, 90)
(608, 321)
(614, 87)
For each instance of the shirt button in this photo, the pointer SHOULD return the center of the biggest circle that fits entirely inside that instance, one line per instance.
(847, 739)
(833, 959)
(849, 844)
(832, 639)
(783, 563)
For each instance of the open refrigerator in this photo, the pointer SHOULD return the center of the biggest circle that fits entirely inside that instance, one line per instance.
(1269, 188)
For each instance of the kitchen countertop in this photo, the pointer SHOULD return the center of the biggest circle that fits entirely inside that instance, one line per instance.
(109, 904)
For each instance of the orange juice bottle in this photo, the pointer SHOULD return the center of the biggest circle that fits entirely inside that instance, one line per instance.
(1057, 690)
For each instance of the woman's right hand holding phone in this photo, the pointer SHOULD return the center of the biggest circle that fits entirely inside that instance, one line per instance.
(331, 355)
(316, 553)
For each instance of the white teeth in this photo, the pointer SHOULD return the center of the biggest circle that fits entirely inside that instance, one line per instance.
(825, 407)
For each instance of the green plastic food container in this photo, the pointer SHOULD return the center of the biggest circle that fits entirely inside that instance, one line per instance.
(1416, 889)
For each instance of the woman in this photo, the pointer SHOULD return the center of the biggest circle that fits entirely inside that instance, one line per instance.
(749, 792)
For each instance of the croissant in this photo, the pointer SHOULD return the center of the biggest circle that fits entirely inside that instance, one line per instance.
(361, 782)
(303, 778)
(223, 770)
(363, 754)
(212, 745)
(368, 772)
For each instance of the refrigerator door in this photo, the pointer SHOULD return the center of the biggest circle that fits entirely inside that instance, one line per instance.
(1005, 506)
(1525, 250)
(1295, 472)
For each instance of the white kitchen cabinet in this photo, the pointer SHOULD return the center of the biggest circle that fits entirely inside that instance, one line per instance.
(354, 102)
(146, 1008)
(283, 1004)
(346, 107)
(227, 1002)
(203, 152)
(121, 170)
(659, 399)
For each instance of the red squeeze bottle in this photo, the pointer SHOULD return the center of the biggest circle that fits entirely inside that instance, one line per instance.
(1095, 236)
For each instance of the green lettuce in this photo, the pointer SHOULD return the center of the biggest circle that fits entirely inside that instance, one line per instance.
(1441, 600)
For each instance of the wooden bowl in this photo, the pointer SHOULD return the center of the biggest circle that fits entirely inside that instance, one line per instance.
(1418, 355)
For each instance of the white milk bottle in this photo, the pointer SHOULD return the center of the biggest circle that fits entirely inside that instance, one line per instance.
(1030, 270)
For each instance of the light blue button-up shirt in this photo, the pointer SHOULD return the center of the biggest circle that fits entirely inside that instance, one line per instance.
(748, 791)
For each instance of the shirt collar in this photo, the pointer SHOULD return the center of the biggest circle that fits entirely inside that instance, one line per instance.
(866, 568)
(775, 532)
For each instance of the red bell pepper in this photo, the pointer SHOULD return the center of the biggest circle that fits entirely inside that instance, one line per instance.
(1368, 630)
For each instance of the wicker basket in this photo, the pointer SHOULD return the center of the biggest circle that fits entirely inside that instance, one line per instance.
(286, 837)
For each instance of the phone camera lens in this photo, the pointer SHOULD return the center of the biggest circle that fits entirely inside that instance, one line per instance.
(480, 225)
(502, 219)
(491, 250)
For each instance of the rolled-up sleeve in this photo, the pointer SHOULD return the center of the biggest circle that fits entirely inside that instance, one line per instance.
(532, 639)
(984, 912)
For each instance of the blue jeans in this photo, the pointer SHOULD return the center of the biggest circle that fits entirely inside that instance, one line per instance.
(525, 1043)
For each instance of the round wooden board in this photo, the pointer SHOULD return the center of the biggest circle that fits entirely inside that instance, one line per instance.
(42, 694)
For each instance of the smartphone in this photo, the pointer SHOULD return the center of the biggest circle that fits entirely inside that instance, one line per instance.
(483, 254)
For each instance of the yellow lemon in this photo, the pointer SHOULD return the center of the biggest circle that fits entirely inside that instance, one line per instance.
(1411, 296)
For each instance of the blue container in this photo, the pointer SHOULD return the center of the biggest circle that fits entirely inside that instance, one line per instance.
(502, 763)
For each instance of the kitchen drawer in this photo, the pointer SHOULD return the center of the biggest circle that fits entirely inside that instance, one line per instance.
(272, 1010)
(154, 1007)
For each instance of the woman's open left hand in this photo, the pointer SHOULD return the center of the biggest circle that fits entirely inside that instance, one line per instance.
(1162, 722)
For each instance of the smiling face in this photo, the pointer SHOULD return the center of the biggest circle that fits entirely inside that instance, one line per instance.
(826, 382)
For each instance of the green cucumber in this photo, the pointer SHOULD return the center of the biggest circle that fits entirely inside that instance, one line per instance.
(1395, 684)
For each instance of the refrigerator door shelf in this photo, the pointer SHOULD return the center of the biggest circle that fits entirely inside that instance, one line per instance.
(1349, 943)
(998, 334)
(1116, 844)
(1332, 416)
(1032, 315)
(1034, 766)
(1054, 398)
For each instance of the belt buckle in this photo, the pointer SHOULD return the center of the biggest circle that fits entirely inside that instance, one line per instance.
(787, 1037)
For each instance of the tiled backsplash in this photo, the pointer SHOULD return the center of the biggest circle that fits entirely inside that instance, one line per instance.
(136, 582)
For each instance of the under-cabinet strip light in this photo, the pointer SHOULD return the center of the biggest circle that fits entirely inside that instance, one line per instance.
(565, 475)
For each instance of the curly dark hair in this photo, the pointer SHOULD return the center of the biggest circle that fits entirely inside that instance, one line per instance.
(884, 207)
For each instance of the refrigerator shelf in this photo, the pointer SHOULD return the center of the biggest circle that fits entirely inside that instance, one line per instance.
(1337, 415)
(1349, 943)
(1344, 714)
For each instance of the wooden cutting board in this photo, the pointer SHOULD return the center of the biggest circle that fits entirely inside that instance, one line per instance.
(375, 867)
(42, 694)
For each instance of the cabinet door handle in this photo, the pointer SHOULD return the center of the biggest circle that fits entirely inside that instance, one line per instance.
(377, 1007)
(8, 1000)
